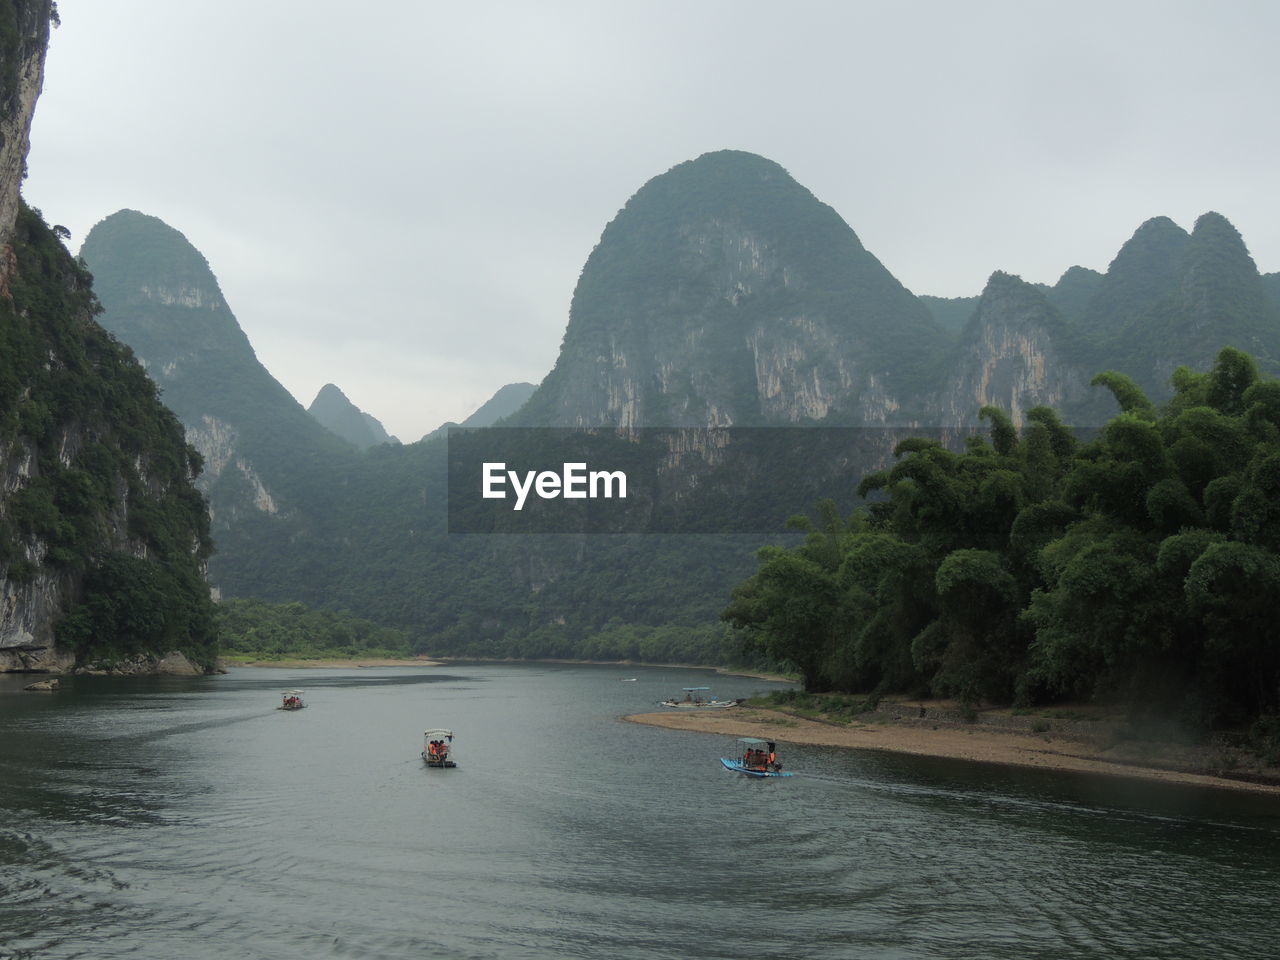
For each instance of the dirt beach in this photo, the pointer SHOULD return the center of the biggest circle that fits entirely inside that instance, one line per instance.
(943, 737)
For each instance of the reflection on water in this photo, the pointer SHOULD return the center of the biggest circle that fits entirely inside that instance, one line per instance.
(190, 818)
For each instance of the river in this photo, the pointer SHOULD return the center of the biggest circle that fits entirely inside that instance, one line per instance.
(188, 818)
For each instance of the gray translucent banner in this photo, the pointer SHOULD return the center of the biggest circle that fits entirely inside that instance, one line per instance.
(661, 480)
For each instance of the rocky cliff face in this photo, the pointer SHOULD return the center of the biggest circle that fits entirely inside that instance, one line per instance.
(162, 299)
(97, 501)
(1016, 353)
(27, 610)
(725, 294)
(24, 38)
(101, 530)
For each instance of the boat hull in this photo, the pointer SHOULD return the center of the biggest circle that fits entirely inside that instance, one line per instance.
(708, 705)
(737, 767)
(439, 764)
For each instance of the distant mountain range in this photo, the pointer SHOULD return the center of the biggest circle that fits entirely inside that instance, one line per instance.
(336, 413)
(501, 405)
(724, 293)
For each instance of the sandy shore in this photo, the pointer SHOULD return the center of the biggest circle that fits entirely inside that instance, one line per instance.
(333, 664)
(959, 743)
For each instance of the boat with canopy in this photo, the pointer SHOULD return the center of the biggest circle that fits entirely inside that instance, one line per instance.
(437, 748)
(758, 758)
(697, 698)
(291, 700)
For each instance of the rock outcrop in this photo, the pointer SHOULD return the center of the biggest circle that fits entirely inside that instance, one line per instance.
(1017, 352)
(23, 43)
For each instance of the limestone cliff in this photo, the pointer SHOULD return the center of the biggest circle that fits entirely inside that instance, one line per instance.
(1015, 353)
(725, 294)
(24, 38)
(259, 444)
(103, 538)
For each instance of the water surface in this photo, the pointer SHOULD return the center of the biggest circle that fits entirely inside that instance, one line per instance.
(163, 818)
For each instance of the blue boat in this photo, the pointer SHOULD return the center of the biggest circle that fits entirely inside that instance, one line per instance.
(758, 759)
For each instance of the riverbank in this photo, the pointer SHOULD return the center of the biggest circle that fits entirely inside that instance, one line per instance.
(334, 664)
(723, 671)
(894, 731)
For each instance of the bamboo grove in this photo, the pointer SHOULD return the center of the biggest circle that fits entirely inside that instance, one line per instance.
(1139, 565)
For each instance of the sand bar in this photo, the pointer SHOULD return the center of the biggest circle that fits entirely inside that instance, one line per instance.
(987, 746)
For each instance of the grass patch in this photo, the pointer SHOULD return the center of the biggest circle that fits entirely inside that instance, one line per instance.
(828, 707)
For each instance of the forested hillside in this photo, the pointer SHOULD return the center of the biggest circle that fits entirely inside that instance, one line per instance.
(1141, 565)
(103, 537)
(723, 294)
(101, 529)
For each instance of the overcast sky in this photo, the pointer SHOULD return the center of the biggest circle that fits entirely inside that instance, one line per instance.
(399, 197)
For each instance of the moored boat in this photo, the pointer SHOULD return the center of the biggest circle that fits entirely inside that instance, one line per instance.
(697, 698)
(437, 748)
(758, 758)
(291, 700)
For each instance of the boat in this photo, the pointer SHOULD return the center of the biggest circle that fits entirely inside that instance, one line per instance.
(757, 759)
(437, 748)
(291, 700)
(694, 699)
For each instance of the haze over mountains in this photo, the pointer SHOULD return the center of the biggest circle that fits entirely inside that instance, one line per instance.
(723, 293)
(336, 413)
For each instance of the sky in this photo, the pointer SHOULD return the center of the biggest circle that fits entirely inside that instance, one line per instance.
(399, 197)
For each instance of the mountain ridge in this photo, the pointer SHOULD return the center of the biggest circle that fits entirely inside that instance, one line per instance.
(335, 412)
(692, 310)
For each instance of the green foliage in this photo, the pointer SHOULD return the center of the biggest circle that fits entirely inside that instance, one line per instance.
(1141, 566)
(107, 471)
(267, 631)
(135, 606)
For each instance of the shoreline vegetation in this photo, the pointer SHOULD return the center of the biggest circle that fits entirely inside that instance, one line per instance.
(336, 663)
(344, 662)
(1073, 742)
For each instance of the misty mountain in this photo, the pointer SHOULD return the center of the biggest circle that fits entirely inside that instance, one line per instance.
(1218, 298)
(723, 293)
(950, 313)
(160, 297)
(502, 404)
(336, 413)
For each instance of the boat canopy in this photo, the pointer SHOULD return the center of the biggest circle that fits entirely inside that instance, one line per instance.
(753, 741)
(291, 693)
(438, 734)
(691, 689)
